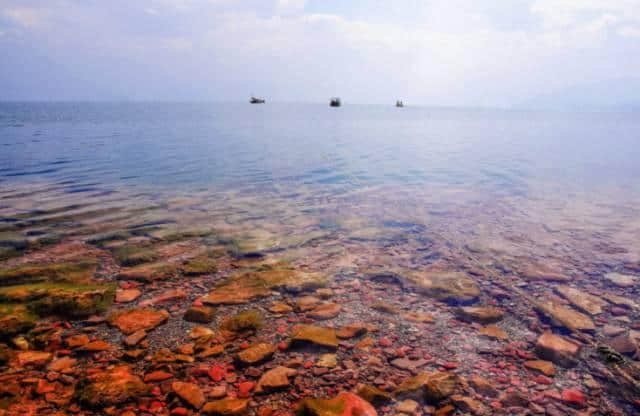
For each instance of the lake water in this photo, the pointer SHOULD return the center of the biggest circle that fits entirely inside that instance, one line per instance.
(522, 201)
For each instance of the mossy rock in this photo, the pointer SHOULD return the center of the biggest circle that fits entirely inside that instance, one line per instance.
(110, 387)
(62, 299)
(70, 272)
(373, 394)
(260, 281)
(244, 321)
(200, 265)
(15, 319)
(131, 255)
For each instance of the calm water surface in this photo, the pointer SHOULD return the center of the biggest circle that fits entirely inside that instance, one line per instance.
(512, 180)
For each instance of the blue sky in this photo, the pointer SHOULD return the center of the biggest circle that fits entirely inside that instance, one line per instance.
(439, 52)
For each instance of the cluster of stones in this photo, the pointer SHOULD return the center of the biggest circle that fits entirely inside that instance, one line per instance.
(165, 326)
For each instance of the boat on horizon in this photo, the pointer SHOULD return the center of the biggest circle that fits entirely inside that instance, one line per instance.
(335, 102)
(399, 104)
(255, 100)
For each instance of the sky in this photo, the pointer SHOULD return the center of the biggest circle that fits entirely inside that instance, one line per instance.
(504, 53)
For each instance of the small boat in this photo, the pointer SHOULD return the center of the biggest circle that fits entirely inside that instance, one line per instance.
(335, 102)
(399, 103)
(255, 100)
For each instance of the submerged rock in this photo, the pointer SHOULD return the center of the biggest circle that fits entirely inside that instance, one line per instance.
(256, 353)
(456, 287)
(352, 331)
(373, 394)
(65, 272)
(545, 367)
(199, 314)
(134, 320)
(583, 301)
(483, 315)
(621, 280)
(325, 311)
(274, 379)
(433, 387)
(493, 332)
(111, 387)
(325, 337)
(190, 393)
(247, 320)
(344, 404)
(14, 320)
(563, 316)
(226, 407)
(258, 283)
(558, 349)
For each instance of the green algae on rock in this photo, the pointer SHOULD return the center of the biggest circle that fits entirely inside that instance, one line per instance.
(111, 387)
(200, 265)
(259, 282)
(132, 255)
(71, 272)
(15, 319)
(311, 334)
(243, 321)
(62, 299)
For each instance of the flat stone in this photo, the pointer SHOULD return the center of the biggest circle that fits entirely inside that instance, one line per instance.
(135, 338)
(456, 287)
(493, 332)
(620, 301)
(325, 311)
(135, 320)
(256, 353)
(545, 367)
(433, 387)
(226, 407)
(33, 358)
(307, 303)
(274, 379)
(558, 349)
(280, 308)
(483, 315)
(406, 364)
(127, 295)
(621, 280)
(583, 301)
(189, 392)
(624, 343)
(539, 274)
(566, 317)
(421, 317)
(317, 335)
(351, 331)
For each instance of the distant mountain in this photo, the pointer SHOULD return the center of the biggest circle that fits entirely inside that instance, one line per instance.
(619, 94)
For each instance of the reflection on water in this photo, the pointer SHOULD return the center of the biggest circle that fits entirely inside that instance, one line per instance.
(528, 207)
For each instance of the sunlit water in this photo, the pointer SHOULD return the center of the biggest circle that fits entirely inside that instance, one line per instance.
(505, 182)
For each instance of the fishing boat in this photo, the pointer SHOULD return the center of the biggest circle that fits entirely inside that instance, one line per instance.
(399, 103)
(255, 100)
(335, 102)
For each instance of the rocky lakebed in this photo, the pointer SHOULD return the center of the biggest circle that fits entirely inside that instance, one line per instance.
(220, 305)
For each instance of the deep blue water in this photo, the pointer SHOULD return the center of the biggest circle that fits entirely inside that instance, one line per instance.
(87, 146)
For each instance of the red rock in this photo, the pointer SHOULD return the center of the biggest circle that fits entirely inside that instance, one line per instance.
(450, 365)
(217, 372)
(574, 397)
(245, 388)
(557, 349)
(540, 379)
(179, 411)
(127, 295)
(385, 342)
(157, 376)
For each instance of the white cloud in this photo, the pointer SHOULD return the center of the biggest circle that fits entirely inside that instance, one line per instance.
(28, 17)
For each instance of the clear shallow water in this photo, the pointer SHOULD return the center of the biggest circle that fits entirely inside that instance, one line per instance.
(542, 185)
(194, 145)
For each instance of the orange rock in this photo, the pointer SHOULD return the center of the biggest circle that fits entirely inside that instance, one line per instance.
(256, 353)
(111, 387)
(157, 376)
(325, 311)
(274, 379)
(483, 315)
(135, 320)
(77, 340)
(344, 404)
(557, 349)
(226, 407)
(189, 392)
(351, 331)
(33, 358)
(494, 332)
(545, 367)
(127, 295)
